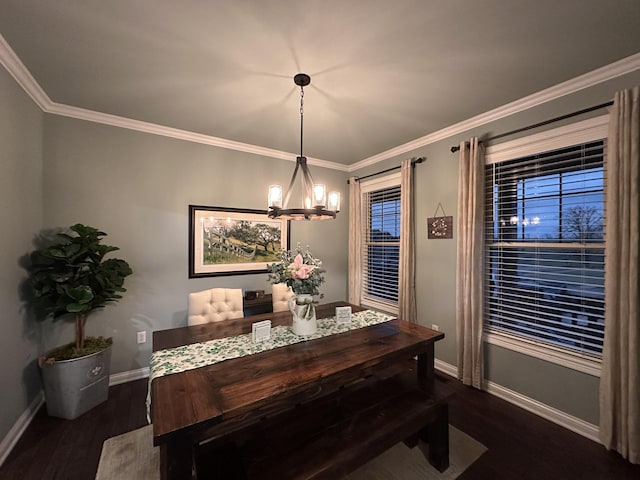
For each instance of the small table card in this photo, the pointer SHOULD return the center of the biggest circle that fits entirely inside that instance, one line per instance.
(261, 330)
(343, 314)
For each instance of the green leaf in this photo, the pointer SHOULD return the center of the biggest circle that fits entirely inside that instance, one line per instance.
(77, 308)
(61, 277)
(81, 295)
(71, 249)
(57, 252)
(70, 276)
(86, 231)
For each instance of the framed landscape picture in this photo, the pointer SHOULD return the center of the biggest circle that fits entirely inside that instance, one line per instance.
(233, 241)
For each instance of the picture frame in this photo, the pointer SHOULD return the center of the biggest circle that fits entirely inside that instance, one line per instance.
(343, 315)
(261, 331)
(233, 241)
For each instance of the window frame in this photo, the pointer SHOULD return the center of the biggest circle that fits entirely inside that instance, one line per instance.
(580, 132)
(376, 184)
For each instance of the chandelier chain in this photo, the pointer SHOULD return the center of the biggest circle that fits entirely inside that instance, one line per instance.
(301, 116)
(301, 100)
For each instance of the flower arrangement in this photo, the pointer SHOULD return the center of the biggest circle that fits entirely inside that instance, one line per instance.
(298, 270)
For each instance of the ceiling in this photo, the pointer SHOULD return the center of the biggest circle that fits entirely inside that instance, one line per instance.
(383, 72)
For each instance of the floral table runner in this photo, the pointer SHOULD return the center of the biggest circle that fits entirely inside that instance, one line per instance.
(196, 355)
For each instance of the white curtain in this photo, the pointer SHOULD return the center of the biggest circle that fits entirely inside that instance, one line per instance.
(407, 264)
(469, 272)
(620, 376)
(355, 241)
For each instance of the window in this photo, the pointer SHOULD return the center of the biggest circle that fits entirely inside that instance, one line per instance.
(381, 243)
(544, 250)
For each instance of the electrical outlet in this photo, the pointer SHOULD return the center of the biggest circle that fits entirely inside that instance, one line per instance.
(141, 337)
(435, 327)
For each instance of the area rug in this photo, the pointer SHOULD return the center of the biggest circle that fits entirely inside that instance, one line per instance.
(132, 455)
(403, 463)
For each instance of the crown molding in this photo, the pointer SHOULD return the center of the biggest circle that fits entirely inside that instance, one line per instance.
(12, 63)
(23, 77)
(155, 129)
(590, 79)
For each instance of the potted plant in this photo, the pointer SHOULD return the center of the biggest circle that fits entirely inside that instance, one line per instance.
(70, 279)
(303, 274)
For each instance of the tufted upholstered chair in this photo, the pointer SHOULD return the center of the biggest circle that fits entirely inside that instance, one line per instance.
(280, 294)
(215, 305)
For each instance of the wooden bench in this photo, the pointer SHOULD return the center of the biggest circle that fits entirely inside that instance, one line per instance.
(330, 437)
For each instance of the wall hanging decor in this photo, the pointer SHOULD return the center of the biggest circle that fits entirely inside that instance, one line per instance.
(233, 241)
(439, 227)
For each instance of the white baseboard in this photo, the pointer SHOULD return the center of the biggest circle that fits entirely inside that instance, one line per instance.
(447, 368)
(554, 415)
(131, 375)
(12, 437)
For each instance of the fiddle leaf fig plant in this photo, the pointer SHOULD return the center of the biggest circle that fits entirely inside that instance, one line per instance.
(72, 278)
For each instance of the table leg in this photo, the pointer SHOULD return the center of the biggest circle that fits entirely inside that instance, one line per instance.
(437, 436)
(425, 370)
(176, 460)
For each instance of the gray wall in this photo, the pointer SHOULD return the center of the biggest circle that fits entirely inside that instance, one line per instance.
(21, 218)
(56, 171)
(436, 181)
(137, 188)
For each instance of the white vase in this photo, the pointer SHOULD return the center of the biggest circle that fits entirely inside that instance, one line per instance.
(304, 314)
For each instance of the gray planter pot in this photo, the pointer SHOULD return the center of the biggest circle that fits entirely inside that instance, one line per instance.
(73, 387)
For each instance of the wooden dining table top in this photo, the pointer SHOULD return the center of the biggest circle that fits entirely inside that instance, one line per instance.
(241, 389)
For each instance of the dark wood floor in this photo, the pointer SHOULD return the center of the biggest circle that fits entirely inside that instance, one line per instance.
(521, 445)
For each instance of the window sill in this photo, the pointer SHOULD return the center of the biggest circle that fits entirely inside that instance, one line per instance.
(584, 364)
(380, 306)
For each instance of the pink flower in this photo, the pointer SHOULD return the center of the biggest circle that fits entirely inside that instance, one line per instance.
(299, 269)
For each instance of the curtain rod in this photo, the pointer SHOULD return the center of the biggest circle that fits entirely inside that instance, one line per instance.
(455, 148)
(413, 163)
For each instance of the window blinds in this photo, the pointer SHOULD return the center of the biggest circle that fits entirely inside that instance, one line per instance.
(381, 246)
(544, 242)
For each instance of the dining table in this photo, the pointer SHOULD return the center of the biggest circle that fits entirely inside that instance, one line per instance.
(208, 382)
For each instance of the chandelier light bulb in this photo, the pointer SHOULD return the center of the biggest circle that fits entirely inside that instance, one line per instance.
(319, 195)
(334, 201)
(275, 196)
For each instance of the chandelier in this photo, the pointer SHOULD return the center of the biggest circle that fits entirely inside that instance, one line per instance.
(316, 204)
